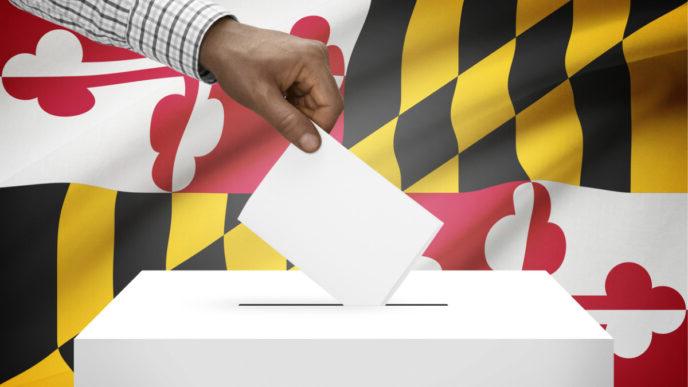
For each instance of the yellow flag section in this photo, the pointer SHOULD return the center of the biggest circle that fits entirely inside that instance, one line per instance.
(244, 250)
(549, 138)
(197, 221)
(597, 27)
(656, 57)
(529, 12)
(430, 57)
(52, 371)
(85, 244)
(481, 101)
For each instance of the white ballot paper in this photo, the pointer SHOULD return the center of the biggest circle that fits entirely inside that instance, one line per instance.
(343, 224)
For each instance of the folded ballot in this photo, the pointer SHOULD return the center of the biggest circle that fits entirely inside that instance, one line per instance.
(343, 224)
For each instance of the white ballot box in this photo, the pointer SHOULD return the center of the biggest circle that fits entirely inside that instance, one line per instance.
(269, 329)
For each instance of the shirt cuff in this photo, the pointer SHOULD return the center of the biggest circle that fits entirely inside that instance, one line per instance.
(171, 32)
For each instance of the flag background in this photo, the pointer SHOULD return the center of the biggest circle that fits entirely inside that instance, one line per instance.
(547, 135)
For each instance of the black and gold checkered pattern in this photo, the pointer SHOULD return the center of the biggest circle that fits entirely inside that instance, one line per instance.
(448, 96)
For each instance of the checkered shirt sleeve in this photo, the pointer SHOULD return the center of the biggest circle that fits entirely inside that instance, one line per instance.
(168, 31)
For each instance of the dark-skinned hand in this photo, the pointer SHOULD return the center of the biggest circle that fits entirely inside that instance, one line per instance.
(283, 78)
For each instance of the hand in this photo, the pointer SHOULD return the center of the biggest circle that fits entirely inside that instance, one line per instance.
(283, 78)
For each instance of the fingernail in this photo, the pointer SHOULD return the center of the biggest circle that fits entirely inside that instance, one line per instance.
(309, 142)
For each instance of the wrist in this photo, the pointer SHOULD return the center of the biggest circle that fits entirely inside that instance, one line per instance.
(214, 46)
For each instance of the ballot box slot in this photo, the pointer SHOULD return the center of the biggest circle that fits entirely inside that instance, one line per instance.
(330, 305)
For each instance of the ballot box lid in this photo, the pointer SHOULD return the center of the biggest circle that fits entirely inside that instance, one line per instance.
(237, 305)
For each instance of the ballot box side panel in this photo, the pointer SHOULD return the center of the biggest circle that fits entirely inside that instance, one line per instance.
(335, 363)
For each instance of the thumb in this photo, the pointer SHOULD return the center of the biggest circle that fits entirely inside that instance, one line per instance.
(290, 122)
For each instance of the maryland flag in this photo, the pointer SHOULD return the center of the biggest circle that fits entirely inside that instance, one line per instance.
(546, 134)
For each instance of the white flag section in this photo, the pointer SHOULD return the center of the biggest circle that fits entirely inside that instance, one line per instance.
(608, 228)
(626, 247)
(110, 143)
(108, 146)
(601, 229)
(632, 330)
(623, 255)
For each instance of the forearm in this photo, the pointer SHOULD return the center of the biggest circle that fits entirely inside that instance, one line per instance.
(169, 31)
